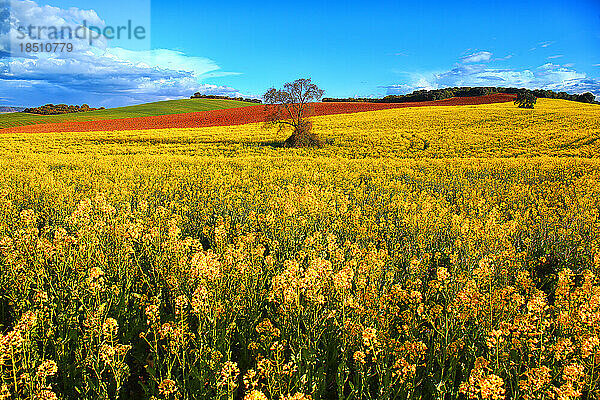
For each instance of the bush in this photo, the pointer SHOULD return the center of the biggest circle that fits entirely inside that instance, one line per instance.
(198, 95)
(304, 137)
(525, 99)
(51, 109)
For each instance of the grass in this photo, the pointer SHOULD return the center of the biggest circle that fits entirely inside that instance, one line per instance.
(142, 110)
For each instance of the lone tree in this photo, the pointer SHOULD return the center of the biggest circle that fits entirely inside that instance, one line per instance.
(525, 99)
(587, 97)
(290, 106)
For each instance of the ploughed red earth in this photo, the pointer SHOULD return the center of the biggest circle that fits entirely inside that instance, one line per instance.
(238, 116)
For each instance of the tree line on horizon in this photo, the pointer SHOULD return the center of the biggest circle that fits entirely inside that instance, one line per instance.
(446, 93)
(199, 95)
(55, 109)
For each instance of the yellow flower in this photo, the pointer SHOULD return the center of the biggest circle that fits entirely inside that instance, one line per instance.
(572, 372)
(297, 396)
(152, 313)
(537, 379)
(229, 375)
(495, 337)
(95, 278)
(255, 395)
(250, 379)
(110, 327)
(27, 322)
(491, 387)
(46, 395)
(343, 279)
(369, 337)
(4, 392)
(537, 304)
(589, 345)
(267, 331)
(167, 387)
(359, 357)
(47, 368)
(443, 274)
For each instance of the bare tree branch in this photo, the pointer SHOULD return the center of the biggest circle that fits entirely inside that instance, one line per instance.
(290, 106)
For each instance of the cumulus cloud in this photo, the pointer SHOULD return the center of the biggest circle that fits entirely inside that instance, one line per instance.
(480, 56)
(547, 76)
(95, 72)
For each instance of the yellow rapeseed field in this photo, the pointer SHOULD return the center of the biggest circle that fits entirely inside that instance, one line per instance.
(422, 253)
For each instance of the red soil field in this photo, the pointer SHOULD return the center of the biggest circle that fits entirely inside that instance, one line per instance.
(238, 116)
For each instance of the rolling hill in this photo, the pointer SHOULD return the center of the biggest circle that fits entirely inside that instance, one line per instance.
(222, 116)
(143, 110)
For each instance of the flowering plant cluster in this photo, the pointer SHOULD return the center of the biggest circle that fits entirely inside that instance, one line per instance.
(165, 268)
(117, 303)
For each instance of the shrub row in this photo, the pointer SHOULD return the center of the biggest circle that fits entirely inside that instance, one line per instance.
(54, 109)
(446, 93)
(198, 95)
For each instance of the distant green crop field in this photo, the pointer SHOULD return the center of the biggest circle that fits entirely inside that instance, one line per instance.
(143, 110)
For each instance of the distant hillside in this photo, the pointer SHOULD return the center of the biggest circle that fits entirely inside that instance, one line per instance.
(8, 109)
(142, 110)
(446, 93)
(240, 116)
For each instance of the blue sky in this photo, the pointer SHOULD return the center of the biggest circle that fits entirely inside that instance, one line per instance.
(352, 48)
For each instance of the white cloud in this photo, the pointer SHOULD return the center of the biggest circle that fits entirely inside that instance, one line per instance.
(543, 44)
(419, 84)
(19, 15)
(507, 57)
(95, 73)
(480, 56)
(547, 76)
(555, 56)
